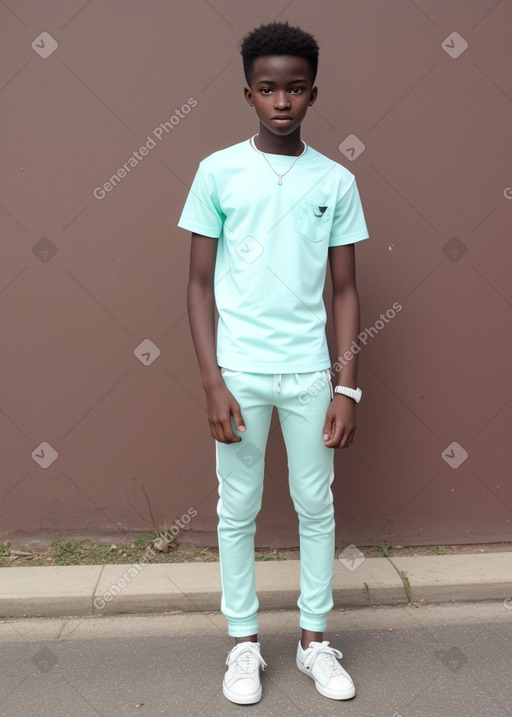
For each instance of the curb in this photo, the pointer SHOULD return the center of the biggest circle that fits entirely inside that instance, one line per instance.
(195, 587)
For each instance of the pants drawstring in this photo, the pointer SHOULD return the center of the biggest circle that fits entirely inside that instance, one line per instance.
(297, 380)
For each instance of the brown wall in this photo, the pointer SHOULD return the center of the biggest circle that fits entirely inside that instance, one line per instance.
(85, 281)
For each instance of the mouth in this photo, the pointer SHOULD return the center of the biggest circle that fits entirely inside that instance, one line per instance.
(282, 119)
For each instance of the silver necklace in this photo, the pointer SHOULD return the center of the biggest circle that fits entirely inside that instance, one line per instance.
(279, 176)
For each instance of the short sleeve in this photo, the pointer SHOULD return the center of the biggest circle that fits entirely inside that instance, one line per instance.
(348, 224)
(202, 213)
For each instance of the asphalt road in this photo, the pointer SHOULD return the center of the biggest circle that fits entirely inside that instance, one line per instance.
(436, 661)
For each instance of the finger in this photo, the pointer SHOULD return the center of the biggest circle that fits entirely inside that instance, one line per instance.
(238, 419)
(327, 430)
(347, 438)
(344, 439)
(218, 430)
(227, 431)
(215, 433)
(336, 436)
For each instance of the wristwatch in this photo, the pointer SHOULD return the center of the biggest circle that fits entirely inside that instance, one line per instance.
(354, 393)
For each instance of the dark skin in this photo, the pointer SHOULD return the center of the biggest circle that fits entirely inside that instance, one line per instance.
(281, 90)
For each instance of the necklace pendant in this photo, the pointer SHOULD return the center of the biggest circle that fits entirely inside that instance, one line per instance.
(279, 179)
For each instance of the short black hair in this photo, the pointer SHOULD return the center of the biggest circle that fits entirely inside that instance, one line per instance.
(278, 38)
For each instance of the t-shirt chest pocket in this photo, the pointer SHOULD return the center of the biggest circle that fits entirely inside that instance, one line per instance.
(314, 221)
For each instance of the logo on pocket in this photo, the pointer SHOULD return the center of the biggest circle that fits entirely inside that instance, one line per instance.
(314, 220)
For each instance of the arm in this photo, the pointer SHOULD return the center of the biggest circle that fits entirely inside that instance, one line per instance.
(220, 402)
(340, 421)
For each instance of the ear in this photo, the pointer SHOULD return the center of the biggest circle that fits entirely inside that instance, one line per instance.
(248, 96)
(313, 96)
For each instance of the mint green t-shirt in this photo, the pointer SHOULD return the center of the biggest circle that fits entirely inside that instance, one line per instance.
(272, 252)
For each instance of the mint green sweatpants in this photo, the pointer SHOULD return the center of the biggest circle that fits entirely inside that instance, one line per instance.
(302, 400)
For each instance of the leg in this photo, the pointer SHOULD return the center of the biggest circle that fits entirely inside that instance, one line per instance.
(240, 468)
(308, 636)
(311, 472)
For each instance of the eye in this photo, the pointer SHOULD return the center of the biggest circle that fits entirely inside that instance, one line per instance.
(265, 90)
(296, 90)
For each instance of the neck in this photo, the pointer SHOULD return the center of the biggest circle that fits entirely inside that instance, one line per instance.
(270, 143)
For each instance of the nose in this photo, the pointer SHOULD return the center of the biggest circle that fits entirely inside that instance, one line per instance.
(281, 100)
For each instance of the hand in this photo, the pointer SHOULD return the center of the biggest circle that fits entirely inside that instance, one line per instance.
(340, 422)
(220, 406)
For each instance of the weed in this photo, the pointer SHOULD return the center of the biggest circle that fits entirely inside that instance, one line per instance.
(267, 558)
(5, 553)
(384, 551)
(74, 552)
(65, 552)
(141, 541)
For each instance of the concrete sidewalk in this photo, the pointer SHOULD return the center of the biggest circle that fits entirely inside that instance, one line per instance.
(195, 587)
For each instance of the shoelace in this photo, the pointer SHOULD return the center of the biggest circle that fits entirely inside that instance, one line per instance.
(247, 659)
(326, 658)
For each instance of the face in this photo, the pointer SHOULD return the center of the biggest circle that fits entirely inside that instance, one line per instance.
(281, 91)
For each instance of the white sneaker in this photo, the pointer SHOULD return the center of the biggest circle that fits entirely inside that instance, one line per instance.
(319, 662)
(241, 682)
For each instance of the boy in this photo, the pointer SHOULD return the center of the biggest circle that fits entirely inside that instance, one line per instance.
(266, 216)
